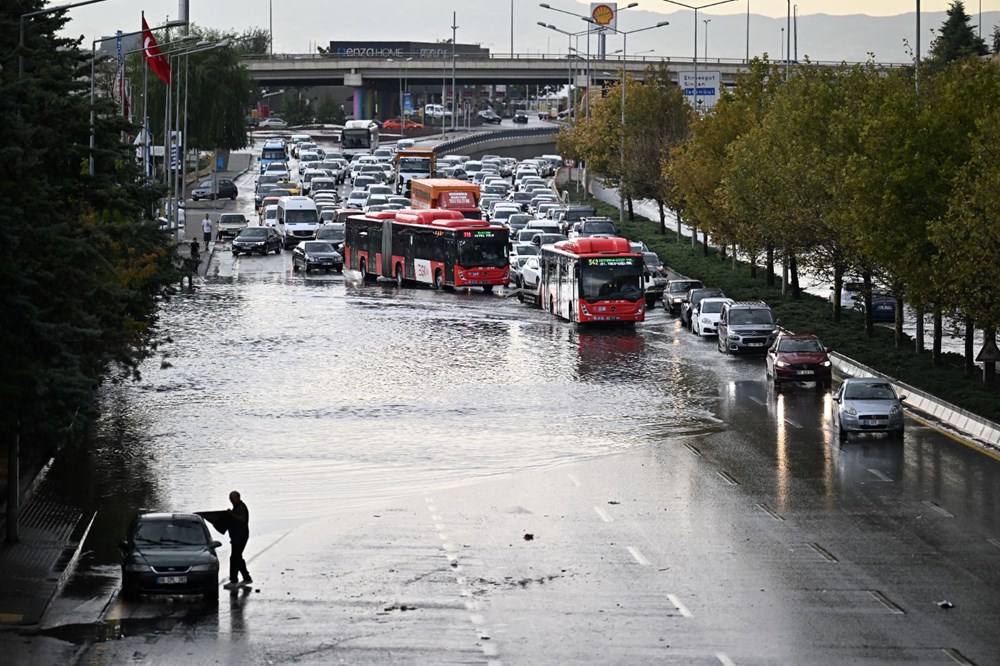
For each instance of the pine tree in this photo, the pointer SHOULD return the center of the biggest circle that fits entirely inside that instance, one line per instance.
(957, 39)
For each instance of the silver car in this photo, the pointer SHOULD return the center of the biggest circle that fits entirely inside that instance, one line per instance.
(866, 404)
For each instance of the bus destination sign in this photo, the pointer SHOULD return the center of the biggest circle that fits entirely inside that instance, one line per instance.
(610, 261)
(479, 234)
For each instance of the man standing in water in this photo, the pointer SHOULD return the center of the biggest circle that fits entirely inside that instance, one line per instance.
(239, 534)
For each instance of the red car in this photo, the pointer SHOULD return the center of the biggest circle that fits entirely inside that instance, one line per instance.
(397, 124)
(798, 358)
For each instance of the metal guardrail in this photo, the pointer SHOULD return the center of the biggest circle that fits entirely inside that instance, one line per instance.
(485, 138)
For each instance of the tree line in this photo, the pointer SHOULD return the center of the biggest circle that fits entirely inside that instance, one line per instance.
(887, 176)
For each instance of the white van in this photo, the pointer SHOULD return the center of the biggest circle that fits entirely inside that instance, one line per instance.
(270, 216)
(297, 219)
(436, 111)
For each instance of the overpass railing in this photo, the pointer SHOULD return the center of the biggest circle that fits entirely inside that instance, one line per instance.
(495, 136)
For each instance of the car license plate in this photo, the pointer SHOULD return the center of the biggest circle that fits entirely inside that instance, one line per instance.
(171, 580)
(875, 422)
(804, 372)
(755, 344)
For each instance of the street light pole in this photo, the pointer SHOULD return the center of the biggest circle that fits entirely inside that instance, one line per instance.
(623, 82)
(590, 28)
(454, 90)
(696, 8)
(706, 22)
(93, 61)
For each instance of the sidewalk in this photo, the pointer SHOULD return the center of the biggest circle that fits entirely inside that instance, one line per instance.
(34, 570)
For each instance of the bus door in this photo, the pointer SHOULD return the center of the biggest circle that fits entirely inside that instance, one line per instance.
(386, 249)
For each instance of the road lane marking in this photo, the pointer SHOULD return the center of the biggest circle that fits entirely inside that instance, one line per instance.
(602, 514)
(575, 481)
(476, 619)
(693, 449)
(823, 552)
(769, 511)
(884, 600)
(724, 659)
(679, 606)
(639, 557)
(880, 475)
(754, 398)
(994, 542)
(727, 478)
(793, 423)
(953, 436)
(934, 507)
(957, 657)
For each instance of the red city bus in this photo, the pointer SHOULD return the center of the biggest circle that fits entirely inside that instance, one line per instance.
(593, 280)
(433, 246)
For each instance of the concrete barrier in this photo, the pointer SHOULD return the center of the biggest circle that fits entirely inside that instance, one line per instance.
(981, 431)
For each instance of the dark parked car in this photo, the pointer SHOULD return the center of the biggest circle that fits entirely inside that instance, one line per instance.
(308, 255)
(798, 358)
(676, 294)
(883, 308)
(520, 116)
(259, 240)
(171, 553)
(206, 190)
(490, 116)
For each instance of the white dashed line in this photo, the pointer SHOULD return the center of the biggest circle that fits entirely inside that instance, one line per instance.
(879, 475)
(681, 608)
(602, 514)
(757, 400)
(994, 542)
(724, 659)
(639, 557)
(793, 423)
(575, 481)
(476, 619)
(944, 512)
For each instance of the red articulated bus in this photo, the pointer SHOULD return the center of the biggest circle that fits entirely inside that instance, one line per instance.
(433, 246)
(592, 280)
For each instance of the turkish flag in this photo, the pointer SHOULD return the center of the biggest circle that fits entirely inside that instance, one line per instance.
(151, 54)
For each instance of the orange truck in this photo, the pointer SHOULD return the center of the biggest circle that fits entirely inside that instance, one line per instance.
(447, 193)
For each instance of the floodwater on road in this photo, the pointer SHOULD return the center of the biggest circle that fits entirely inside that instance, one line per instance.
(312, 394)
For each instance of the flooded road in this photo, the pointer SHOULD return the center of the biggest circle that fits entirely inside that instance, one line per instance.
(455, 477)
(321, 392)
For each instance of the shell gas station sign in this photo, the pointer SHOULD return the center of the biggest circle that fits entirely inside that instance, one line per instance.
(605, 14)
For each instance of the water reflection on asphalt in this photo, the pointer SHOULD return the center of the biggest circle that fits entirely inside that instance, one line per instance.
(311, 395)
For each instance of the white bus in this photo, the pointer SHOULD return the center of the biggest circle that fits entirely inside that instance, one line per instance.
(359, 137)
(297, 219)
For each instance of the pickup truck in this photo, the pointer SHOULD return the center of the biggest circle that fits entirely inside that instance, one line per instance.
(231, 224)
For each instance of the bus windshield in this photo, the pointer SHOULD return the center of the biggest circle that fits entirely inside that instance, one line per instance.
(273, 154)
(355, 139)
(484, 250)
(611, 280)
(420, 164)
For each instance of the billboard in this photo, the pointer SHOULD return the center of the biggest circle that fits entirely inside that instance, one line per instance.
(604, 14)
(709, 87)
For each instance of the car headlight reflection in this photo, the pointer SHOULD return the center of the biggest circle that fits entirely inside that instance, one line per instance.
(851, 411)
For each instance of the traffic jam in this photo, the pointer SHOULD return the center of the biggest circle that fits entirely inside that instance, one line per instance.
(403, 214)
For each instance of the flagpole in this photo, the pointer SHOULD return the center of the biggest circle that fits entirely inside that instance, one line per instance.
(145, 116)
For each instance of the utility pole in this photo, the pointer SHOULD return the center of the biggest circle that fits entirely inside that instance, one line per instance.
(454, 90)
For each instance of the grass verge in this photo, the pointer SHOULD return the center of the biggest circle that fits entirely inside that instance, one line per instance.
(811, 314)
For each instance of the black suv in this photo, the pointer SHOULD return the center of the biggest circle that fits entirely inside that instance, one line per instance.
(693, 299)
(171, 553)
(260, 240)
(520, 116)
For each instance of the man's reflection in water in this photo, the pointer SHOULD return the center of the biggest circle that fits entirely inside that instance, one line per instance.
(238, 600)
